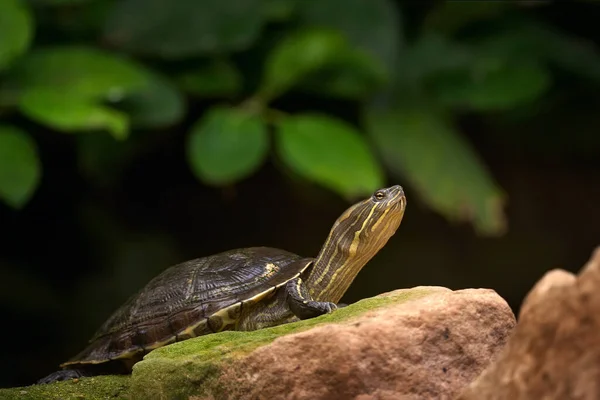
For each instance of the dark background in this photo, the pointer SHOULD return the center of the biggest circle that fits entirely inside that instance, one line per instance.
(77, 249)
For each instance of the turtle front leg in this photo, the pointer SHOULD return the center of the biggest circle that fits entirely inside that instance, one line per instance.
(302, 305)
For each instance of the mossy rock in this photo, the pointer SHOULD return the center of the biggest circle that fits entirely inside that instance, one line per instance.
(191, 368)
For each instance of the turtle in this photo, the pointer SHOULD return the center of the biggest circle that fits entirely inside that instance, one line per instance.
(241, 289)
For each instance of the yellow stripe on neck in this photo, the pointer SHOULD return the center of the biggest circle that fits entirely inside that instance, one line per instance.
(356, 240)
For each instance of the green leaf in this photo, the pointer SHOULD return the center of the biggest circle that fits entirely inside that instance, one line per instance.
(20, 168)
(158, 104)
(80, 77)
(422, 146)
(227, 145)
(494, 85)
(499, 72)
(296, 56)
(526, 39)
(219, 78)
(351, 75)
(81, 71)
(374, 25)
(68, 113)
(183, 28)
(16, 30)
(329, 152)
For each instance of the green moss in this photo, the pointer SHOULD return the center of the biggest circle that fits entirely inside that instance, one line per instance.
(96, 388)
(192, 367)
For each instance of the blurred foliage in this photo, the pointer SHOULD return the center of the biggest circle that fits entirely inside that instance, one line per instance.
(117, 73)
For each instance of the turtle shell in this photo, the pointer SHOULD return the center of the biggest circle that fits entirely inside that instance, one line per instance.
(194, 298)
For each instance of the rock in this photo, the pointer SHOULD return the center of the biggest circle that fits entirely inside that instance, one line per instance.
(425, 342)
(424, 349)
(554, 352)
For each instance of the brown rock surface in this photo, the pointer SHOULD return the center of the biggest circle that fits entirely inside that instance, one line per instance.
(554, 353)
(429, 348)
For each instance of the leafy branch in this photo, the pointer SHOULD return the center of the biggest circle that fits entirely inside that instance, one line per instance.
(152, 66)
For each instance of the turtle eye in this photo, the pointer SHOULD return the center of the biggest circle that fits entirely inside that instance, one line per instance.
(379, 195)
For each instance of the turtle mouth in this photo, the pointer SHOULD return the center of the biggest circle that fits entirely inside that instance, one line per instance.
(397, 196)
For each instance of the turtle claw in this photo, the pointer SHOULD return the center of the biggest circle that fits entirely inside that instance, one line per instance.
(62, 375)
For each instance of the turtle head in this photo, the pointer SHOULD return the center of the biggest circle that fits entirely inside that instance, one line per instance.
(357, 235)
(363, 229)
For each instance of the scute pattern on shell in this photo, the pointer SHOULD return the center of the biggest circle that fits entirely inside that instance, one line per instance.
(182, 296)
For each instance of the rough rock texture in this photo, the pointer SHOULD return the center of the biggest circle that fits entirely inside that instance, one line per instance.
(554, 352)
(429, 348)
(425, 342)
